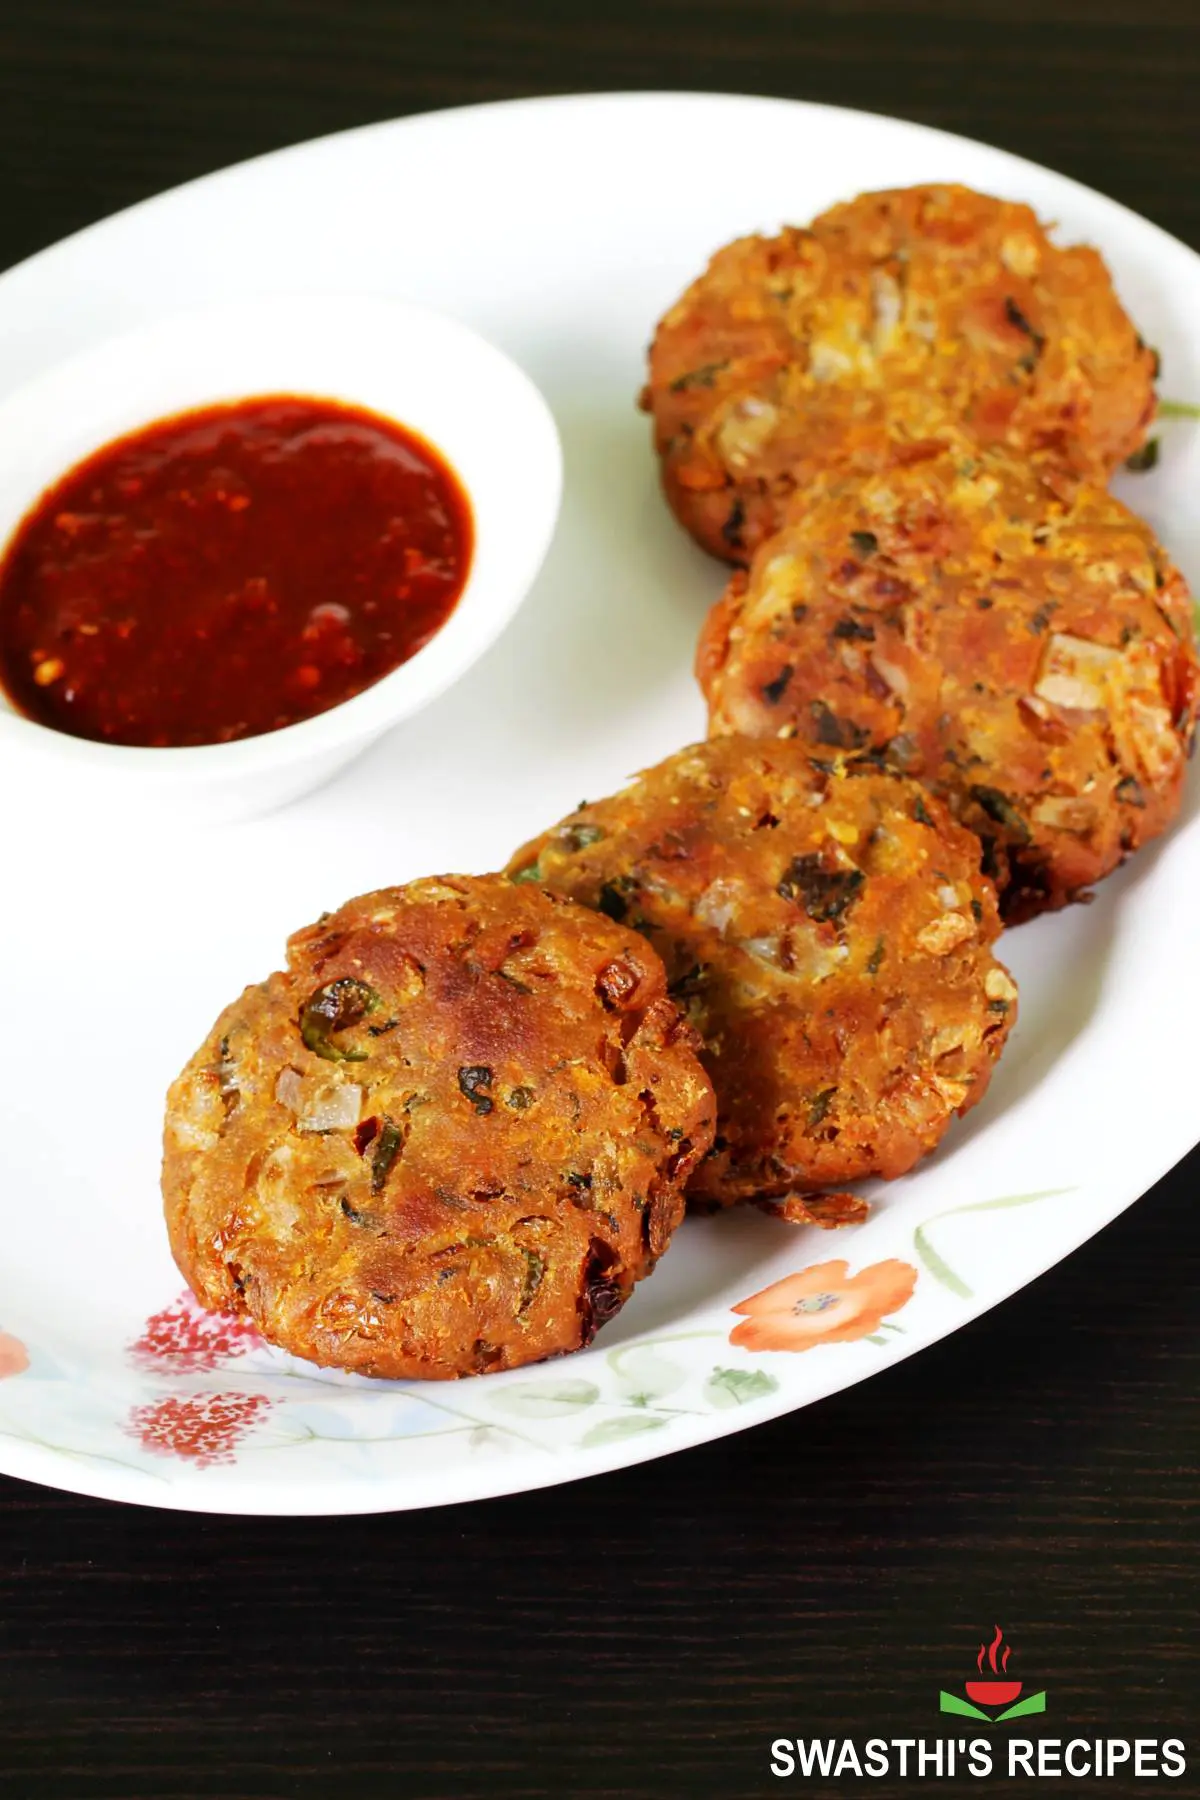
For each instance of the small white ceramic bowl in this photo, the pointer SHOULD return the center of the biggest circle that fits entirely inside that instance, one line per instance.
(426, 372)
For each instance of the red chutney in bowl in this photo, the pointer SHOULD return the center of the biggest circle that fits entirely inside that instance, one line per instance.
(230, 571)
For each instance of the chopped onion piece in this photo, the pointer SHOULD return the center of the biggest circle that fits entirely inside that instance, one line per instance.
(763, 949)
(887, 306)
(333, 1109)
(289, 1088)
(828, 362)
(1075, 672)
(891, 673)
(745, 429)
(997, 986)
(1063, 812)
(717, 904)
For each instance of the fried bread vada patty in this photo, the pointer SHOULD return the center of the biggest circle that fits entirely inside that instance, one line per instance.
(1012, 636)
(449, 1139)
(890, 316)
(827, 927)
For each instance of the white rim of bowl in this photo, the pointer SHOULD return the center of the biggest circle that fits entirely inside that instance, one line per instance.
(377, 707)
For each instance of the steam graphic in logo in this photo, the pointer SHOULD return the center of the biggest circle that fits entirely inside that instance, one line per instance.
(993, 1692)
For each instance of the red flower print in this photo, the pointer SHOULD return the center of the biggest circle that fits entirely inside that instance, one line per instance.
(204, 1428)
(823, 1305)
(191, 1340)
(14, 1358)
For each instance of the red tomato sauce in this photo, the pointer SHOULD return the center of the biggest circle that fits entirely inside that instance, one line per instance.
(228, 572)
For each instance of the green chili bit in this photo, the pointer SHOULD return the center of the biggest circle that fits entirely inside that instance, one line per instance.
(532, 873)
(578, 837)
(612, 900)
(819, 1107)
(999, 807)
(848, 628)
(332, 1008)
(387, 1146)
(825, 894)
(1144, 459)
(691, 982)
(473, 1082)
(535, 1271)
(842, 734)
(1130, 791)
(352, 1213)
(704, 376)
(1016, 317)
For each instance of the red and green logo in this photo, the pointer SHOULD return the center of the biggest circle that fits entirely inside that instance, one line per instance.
(993, 1697)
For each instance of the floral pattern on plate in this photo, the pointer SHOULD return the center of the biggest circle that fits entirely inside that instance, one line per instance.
(14, 1358)
(824, 1304)
(202, 1428)
(204, 1391)
(186, 1337)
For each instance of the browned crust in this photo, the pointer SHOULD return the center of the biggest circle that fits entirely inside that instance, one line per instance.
(888, 319)
(1014, 637)
(530, 1110)
(829, 930)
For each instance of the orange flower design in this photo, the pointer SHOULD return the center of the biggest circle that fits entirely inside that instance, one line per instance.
(14, 1358)
(824, 1305)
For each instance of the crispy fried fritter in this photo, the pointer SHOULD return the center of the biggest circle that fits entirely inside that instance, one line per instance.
(827, 927)
(888, 318)
(448, 1140)
(1012, 636)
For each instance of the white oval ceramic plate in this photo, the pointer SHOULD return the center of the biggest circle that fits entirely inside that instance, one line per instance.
(560, 229)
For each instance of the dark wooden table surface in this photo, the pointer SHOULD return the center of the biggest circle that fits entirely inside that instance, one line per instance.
(646, 1634)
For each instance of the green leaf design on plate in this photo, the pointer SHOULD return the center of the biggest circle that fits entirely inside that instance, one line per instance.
(487, 1437)
(611, 1431)
(937, 1266)
(644, 1374)
(546, 1399)
(738, 1387)
(1178, 409)
(118, 1462)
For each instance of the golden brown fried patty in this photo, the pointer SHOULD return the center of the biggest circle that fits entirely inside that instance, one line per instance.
(828, 929)
(449, 1139)
(1016, 639)
(889, 317)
